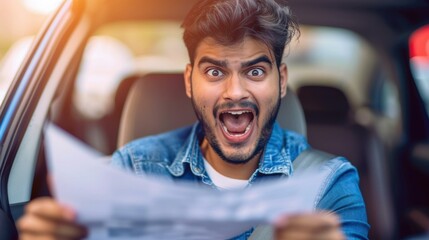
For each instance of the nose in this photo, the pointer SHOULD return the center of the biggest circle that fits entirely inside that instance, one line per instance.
(235, 88)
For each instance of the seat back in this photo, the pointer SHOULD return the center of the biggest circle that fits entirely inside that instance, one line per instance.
(157, 103)
(332, 127)
(330, 123)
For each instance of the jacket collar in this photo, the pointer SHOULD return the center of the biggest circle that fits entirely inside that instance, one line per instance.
(276, 158)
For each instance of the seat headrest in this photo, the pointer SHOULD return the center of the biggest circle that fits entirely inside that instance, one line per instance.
(157, 103)
(324, 104)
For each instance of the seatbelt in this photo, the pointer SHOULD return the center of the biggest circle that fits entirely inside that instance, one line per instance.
(306, 160)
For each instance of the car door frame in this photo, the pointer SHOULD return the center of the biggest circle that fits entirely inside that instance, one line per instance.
(22, 116)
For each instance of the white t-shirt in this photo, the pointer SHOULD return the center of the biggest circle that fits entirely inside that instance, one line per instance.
(222, 182)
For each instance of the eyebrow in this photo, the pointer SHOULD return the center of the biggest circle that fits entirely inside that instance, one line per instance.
(260, 59)
(212, 61)
(224, 64)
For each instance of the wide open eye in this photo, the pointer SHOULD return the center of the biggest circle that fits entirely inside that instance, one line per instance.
(255, 72)
(215, 72)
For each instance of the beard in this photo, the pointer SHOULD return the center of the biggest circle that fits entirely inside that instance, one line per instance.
(239, 156)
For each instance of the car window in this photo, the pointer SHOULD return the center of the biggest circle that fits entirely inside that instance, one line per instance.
(419, 59)
(106, 61)
(121, 49)
(113, 53)
(389, 100)
(19, 22)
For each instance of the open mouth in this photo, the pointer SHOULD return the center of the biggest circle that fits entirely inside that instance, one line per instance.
(237, 124)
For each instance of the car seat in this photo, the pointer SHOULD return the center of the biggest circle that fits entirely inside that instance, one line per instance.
(332, 127)
(330, 122)
(157, 102)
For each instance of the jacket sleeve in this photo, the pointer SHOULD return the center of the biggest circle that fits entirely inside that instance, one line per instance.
(342, 196)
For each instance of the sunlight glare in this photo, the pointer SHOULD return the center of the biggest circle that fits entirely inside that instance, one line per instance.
(41, 6)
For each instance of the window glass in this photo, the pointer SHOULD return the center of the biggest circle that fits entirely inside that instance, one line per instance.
(19, 22)
(419, 59)
(389, 100)
(121, 49)
(115, 55)
(105, 62)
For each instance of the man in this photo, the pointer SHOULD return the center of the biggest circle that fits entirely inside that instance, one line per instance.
(235, 80)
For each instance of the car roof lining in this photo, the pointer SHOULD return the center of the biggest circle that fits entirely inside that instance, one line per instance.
(355, 15)
(176, 10)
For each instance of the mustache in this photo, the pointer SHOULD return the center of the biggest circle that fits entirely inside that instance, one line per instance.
(239, 104)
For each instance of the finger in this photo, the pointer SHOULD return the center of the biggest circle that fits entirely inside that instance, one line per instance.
(300, 234)
(33, 225)
(26, 236)
(49, 208)
(313, 222)
(44, 216)
(334, 234)
(282, 234)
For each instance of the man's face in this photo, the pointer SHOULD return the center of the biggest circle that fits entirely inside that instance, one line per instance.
(236, 93)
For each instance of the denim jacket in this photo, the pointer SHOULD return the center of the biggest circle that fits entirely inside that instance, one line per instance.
(176, 155)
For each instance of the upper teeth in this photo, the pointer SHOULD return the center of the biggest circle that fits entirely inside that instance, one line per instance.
(237, 112)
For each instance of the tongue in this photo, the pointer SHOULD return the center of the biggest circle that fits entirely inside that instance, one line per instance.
(237, 123)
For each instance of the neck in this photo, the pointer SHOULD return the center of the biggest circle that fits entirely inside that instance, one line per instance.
(236, 171)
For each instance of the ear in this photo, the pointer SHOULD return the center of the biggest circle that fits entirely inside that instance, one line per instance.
(187, 75)
(283, 79)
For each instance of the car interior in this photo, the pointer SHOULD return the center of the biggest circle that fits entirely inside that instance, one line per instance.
(351, 92)
(156, 103)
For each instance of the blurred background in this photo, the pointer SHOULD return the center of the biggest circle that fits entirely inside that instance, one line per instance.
(322, 56)
(340, 79)
(19, 21)
(333, 60)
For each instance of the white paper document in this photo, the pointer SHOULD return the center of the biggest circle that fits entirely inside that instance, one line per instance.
(115, 204)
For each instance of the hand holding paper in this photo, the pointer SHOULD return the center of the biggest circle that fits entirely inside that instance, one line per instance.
(117, 205)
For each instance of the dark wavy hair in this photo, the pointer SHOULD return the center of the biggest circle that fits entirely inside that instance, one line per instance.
(230, 21)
